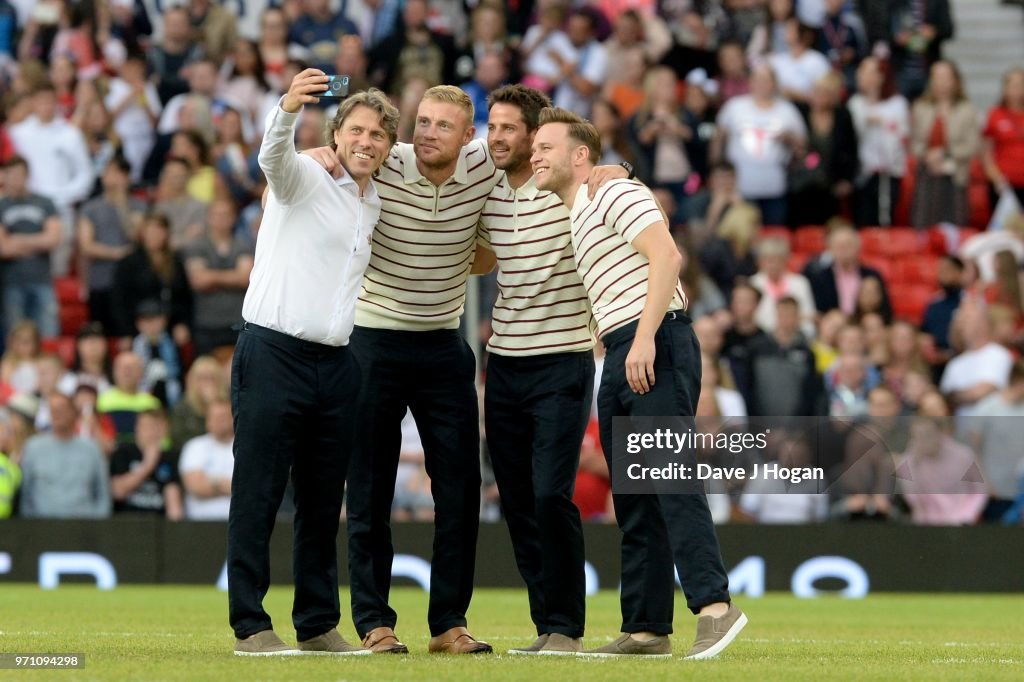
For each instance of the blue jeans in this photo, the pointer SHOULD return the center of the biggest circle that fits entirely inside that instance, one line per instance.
(35, 302)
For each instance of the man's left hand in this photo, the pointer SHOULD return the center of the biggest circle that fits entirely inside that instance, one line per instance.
(600, 175)
(326, 157)
(640, 365)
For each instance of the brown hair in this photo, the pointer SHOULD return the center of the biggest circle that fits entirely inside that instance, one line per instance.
(581, 130)
(1016, 71)
(529, 101)
(958, 90)
(372, 99)
(1007, 280)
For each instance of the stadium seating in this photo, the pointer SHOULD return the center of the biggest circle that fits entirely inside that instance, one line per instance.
(922, 269)
(777, 232)
(809, 239)
(64, 346)
(72, 308)
(910, 300)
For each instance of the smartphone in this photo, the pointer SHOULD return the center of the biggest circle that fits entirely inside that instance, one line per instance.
(337, 86)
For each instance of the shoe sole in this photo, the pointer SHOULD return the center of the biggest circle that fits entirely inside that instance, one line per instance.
(363, 652)
(543, 652)
(286, 652)
(584, 654)
(719, 646)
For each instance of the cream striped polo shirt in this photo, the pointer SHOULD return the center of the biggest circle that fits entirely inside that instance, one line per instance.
(423, 245)
(613, 271)
(542, 306)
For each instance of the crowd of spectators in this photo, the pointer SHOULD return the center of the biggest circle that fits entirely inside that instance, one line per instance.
(823, 165)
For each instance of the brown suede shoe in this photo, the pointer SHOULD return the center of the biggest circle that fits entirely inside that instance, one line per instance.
(562, 645)
(383, 640)
(265, 643)
(331, 643)
(458, 641)
(537, 645)
(714, 634)
(658, 647)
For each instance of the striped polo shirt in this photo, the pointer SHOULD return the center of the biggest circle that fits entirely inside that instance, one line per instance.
(613, 271)
(424, 243)
(542, 306)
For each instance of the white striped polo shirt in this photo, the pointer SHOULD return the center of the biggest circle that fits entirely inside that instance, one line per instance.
(423, 245)
(613, 271)
(542, 306)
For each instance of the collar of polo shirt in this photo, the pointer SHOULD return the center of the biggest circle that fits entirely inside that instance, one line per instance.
(411, 174)
(528, 190)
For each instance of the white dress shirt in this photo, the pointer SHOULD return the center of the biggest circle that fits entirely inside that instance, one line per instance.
(313, 244)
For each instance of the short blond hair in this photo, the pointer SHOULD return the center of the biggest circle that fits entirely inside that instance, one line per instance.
(449, 94)
(581, 130)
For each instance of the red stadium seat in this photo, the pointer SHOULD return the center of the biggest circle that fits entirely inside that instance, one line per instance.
(809, 239)
(901, 209)
(72, 317)
(937, 244)
(776, 232)
(892, 242)
(923, 269)
(905, 241)
(979, 211)
(883, 265)
(798, 260)
(872, 241)
(910, 300)
(977, 174)
(68, 290)
(64, 346)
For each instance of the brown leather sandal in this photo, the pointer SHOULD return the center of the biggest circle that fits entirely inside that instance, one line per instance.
(458, 641)
(383, 640)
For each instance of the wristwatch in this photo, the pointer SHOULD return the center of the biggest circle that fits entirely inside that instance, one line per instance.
(629, 169)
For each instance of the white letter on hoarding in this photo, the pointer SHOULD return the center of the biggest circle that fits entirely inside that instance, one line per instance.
(412, 567)
(52, 565)
(222, 579)
(592, 582)
(813, 570)
(5, 563)
(748, 577)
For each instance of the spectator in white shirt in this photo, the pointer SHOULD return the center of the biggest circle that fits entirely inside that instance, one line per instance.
(135, 107)
(775, 282)
(882, 120)
(58, 160)
(799, 68)
(206, 465)
(543, 43)
(757, 133)
(982, 368)
(582, 74)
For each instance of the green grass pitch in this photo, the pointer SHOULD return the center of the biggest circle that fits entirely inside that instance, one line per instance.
(181, 633)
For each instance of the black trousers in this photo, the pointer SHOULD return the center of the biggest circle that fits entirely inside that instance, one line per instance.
(431, 373)
(294, 406)
(869, 209)
(662, 529)
(536, 410)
